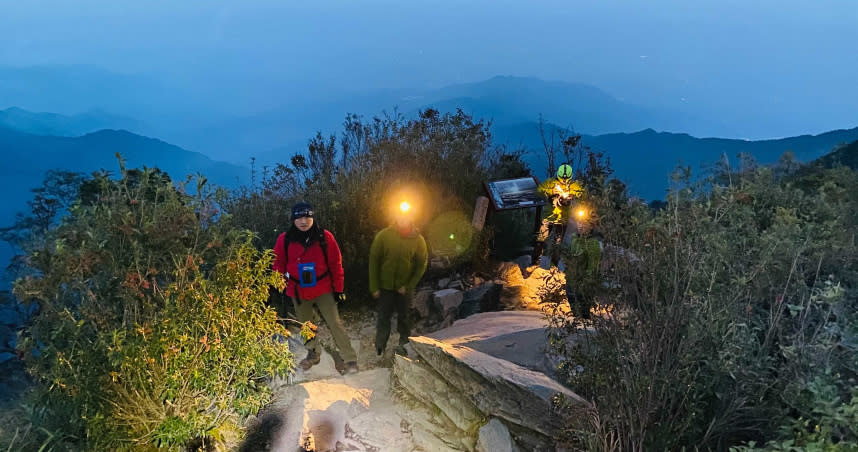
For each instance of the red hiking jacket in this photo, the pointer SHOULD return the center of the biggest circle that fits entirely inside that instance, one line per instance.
(332, 282)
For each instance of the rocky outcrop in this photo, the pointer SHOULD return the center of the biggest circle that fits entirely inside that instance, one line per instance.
(522, 289)
(516, 336)
(483, 298)
(431, 389)
(421, 302)
(361, 412)
(496, 387)
(495, 437)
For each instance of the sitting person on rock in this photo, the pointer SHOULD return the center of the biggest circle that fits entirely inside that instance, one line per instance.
(397, 260)
(310, 259)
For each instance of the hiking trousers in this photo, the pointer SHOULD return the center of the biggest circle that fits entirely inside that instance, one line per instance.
(304, 310)
(390, 301)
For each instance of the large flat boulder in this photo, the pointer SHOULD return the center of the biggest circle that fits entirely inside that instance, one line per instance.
(432, 390)
(498, 387)
(516, 336)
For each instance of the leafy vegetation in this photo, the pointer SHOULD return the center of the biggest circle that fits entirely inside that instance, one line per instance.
(730, 316)
(153, 330)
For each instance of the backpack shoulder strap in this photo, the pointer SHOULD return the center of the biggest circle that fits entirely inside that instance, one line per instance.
(286, 248)
(323, 242)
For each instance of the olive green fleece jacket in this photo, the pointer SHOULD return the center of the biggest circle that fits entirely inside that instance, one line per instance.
(396, 260)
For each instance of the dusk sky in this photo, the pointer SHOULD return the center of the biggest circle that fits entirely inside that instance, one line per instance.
(798, 56)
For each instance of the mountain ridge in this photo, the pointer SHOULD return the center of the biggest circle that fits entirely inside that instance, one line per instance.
(45, 123)
(645, 159)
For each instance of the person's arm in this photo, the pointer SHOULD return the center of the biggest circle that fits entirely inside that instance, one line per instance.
(546, 188)
(335, 263)
(375, 256)
(421, 260)
(279, 264)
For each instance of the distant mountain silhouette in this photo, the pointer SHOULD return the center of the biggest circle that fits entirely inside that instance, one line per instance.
(69, 89)
(505, 100)
(27, 157)
(509, 100)
(645, 159)
(61, 125)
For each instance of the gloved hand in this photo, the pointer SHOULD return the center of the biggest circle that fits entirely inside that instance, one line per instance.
(340, 297)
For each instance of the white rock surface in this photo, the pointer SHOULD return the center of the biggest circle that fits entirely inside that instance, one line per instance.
(431, 389)
(497, 387)
(421, 302)
(516, 336)
(358, 413)
(448, 300)
(495, 437)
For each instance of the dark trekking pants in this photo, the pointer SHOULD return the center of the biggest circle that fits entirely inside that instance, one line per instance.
(391, 301)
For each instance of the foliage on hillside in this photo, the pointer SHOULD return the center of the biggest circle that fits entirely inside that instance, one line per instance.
(731, 316)
(153, 330)
(843, 155)
(436, 162)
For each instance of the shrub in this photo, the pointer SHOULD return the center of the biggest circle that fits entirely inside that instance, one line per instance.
(153, 331)
(725, 306)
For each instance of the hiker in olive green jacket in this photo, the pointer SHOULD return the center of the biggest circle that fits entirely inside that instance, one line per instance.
(397, 261)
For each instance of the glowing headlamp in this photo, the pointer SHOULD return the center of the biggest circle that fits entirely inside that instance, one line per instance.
(404, 206)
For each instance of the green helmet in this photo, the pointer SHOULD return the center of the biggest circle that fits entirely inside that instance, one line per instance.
(564, 172)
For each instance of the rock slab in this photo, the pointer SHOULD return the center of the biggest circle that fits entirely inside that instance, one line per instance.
(495, 437)
(517, 336)
(432, 390)
(496, 387)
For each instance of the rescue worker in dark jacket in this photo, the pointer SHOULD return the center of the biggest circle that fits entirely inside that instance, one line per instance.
(397, 260)
(310, 259)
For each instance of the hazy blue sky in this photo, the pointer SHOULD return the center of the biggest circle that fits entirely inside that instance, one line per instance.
(795, 55)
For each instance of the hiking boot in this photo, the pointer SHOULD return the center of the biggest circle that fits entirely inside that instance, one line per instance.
(313, 358)
(379, 351)
(350, 367)
(400, 350)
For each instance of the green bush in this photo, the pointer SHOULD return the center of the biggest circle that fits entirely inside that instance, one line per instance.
(723, 308)
(831, 425)
(153, 332)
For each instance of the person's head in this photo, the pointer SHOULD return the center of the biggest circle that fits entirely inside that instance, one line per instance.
(403, 217)
(302, 216)
(584, 227)
(564, 172)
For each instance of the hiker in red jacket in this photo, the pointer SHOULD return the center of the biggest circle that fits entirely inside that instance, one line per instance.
(310, 259)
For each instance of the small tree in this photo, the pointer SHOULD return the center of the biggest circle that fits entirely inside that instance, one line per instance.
(153, 330)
